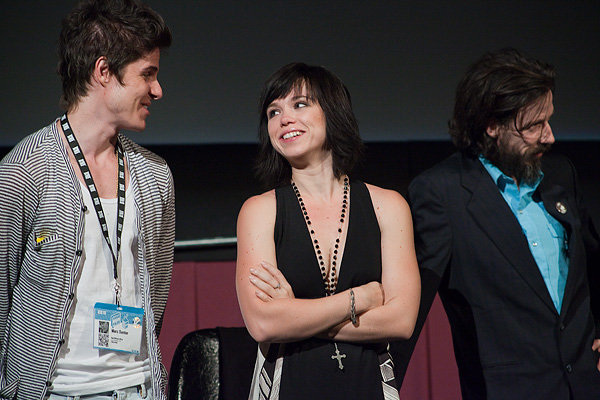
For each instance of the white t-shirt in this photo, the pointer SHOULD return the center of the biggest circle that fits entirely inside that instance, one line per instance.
(81, 369)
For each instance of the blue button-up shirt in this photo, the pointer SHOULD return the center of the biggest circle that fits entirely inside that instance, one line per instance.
(545, 235)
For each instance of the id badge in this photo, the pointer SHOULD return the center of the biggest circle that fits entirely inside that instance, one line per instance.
(118, 328)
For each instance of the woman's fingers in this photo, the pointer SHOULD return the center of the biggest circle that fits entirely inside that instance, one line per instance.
(272, 269)
(263, 296)
(263, 281)
(278, 276)
(275, 272)
(265, 276)
(271, 282)
(262, 285)
(368, 296)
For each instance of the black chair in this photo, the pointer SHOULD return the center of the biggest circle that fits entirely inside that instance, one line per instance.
(213, 364)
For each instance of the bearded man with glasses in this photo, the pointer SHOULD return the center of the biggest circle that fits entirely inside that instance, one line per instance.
(503, 236)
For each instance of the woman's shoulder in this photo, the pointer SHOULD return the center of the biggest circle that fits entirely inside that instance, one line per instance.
(259, 205)
(379, 194)
(387, 202)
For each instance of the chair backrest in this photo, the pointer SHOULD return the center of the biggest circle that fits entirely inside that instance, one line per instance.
(213, 364)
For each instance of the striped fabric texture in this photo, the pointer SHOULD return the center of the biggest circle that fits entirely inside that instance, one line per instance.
(41, 231)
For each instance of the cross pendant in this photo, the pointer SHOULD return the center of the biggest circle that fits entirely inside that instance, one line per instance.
(338, 357)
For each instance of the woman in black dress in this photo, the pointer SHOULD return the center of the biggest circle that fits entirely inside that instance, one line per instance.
(326, 268)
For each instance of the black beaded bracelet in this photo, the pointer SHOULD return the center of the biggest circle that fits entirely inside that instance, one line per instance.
(352, 308)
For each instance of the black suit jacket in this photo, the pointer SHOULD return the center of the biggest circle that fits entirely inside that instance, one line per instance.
(510, 342)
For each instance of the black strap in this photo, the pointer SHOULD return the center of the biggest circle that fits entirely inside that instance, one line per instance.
(89, 181)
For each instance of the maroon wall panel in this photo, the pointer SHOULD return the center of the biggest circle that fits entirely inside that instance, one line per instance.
(202, 296)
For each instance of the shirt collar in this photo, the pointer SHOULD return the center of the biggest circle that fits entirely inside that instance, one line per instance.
(502, 180)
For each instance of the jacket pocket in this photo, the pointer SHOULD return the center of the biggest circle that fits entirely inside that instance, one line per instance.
(42, 252)
(43, 238)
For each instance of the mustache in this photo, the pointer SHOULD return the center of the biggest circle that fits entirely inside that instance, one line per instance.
(540, 148)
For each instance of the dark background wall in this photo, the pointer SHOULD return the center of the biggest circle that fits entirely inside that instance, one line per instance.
(213, 180)
(401, 61)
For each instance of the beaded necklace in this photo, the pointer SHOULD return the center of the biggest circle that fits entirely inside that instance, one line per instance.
(329, 275)
(330, 278)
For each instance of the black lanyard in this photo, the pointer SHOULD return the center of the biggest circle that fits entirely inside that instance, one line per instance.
(89, 181)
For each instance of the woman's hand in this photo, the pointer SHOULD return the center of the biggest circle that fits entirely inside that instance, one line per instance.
(270, 283)
(368, 296)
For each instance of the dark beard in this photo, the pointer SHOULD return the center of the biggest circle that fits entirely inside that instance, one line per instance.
(525, 168)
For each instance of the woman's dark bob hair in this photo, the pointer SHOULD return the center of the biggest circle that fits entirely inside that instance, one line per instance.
(342, 136)
(493, 91)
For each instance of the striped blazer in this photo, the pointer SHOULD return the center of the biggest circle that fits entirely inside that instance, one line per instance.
(41, 197)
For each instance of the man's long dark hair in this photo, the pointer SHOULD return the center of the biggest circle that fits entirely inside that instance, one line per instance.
(493, 91)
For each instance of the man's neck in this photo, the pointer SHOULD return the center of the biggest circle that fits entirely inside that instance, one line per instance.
(95, 135)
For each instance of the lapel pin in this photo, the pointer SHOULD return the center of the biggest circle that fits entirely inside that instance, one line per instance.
(561, 208)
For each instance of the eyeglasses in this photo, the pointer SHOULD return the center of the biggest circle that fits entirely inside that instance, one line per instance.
(535, 131)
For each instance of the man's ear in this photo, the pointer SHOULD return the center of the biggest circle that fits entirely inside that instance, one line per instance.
(493, 130)
(101, 73)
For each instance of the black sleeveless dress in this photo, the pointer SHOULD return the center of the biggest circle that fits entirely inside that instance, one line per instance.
(308, 370)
